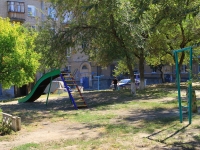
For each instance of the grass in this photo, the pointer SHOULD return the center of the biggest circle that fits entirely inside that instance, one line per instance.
(150, 121)
(27, 146)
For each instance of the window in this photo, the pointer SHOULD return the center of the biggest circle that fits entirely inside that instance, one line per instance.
(69, 51)
(67, 17)
(11, 6)
(52, 13)
(154, 69)
(68, 69)
(99, 70)
(184, 69)
(31, 11)
(16, 7)
(84, 67)
(22, 7)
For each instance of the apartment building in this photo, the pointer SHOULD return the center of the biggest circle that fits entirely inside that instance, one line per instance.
(23, 11)
(33, 12)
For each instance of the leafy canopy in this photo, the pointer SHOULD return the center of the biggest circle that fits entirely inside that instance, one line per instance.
(19, 62)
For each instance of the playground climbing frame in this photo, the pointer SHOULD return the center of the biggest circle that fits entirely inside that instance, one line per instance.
(190, 83)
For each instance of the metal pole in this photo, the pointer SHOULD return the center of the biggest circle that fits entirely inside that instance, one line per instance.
(98, 82)
(178, 85)
(48, 92)
(190, 89)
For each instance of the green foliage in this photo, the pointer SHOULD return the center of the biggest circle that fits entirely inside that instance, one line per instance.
(109, 30)
(131, 30)
(27, 146)
(105, 29)
(19, 62)
(51, 44)
(88, 117)
(178, 27)
(121, 68)
(5, 128)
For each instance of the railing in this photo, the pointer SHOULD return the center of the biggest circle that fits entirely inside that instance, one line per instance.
(13, 121)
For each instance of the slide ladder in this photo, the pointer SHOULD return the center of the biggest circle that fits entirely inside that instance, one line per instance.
(75, 96)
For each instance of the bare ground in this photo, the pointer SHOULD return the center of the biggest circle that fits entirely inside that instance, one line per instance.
(41, 129)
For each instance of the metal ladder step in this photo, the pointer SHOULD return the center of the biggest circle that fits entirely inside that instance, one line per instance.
(77, 101)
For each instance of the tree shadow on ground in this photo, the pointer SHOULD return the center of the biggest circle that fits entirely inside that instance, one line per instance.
(171, 134)
(96, 99)
(154, 115)
(38, 110)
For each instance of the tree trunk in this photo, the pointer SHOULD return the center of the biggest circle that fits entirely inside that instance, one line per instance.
(25, 89)
(141, 68)
(20, 91)
(16, 91)
(181, 63)
(133, 87)
(161, 75)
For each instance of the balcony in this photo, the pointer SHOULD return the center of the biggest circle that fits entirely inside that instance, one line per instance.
(16, 11)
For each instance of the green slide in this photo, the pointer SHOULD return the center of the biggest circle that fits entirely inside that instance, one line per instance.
(40, 86)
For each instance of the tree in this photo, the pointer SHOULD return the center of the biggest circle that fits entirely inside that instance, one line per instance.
(52, 45)
(179, 28)
(121, 68)
(109, 30)
(19, 61)
(159, 53)
(121, 30)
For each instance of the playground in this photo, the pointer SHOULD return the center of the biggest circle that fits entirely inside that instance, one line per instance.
(113, 120)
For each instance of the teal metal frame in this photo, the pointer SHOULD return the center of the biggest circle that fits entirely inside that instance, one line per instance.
(175, 52)
(48, 92)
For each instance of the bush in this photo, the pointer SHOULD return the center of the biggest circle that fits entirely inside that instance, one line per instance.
(4, 128)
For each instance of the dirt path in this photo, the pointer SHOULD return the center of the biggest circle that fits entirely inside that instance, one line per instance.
(44, 130)
(47, 132)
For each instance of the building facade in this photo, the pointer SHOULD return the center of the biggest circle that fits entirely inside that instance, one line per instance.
(33, 12)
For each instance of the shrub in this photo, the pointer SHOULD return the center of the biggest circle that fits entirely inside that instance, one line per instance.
(4, 128)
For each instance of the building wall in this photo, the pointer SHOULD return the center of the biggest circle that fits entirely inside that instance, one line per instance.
(79, 61)
(38, 18)
(40, 5)
(3, 8)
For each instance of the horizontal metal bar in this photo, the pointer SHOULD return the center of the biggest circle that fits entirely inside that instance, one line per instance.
(183, 49)
(186, 48)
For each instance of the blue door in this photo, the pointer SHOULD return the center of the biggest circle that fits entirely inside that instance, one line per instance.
(86, 82)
